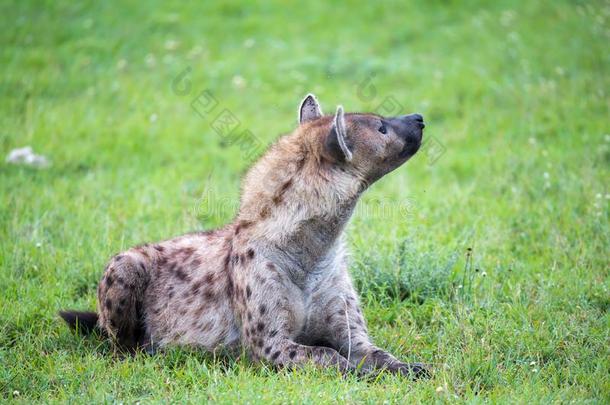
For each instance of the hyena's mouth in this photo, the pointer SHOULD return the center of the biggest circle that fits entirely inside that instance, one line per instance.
(410, 148)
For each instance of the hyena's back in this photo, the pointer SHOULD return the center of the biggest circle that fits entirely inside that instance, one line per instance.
(176, 291)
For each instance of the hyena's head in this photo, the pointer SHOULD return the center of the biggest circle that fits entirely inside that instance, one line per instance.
(369, 144)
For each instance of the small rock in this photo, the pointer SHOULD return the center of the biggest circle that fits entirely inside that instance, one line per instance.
(26, 156)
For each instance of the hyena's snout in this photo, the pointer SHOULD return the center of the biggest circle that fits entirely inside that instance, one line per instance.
(411, 126)
(415, 120)
(410, 129)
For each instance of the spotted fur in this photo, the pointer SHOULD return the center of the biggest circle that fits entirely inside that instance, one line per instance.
(276, 279)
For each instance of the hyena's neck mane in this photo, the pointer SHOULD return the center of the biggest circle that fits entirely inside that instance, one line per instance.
(298, 201)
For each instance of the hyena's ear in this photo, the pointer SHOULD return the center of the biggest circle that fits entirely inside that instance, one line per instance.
(309, 109)
(336, 142)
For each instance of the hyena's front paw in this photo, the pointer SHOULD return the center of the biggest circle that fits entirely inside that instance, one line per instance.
(381, 360)
(414, 371)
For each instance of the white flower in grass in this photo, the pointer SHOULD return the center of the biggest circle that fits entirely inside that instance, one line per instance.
(171, 44)
(239, 82)
(150, 60)
(439, 389)
(547, 180)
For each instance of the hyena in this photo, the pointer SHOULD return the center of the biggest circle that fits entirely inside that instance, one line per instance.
(275, 280)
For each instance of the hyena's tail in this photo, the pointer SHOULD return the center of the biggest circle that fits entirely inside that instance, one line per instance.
(83, 322)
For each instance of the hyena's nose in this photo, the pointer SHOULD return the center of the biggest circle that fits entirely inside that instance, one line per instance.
(417, 119)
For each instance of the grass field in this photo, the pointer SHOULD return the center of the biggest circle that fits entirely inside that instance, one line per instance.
(486, 255)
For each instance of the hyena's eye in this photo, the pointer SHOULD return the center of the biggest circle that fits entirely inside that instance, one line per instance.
(383, 129)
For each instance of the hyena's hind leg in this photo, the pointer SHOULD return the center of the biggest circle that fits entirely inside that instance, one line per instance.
(120, 300)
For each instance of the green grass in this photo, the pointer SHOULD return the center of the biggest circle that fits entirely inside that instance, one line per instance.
(516, 93)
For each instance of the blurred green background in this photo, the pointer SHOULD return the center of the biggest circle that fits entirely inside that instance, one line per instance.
(486, 255)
